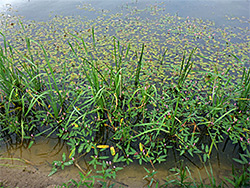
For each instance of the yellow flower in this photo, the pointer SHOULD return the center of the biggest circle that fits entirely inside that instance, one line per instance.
(74, 124)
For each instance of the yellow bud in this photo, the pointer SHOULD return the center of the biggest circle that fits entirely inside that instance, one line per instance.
(141, 146)
(112, 150)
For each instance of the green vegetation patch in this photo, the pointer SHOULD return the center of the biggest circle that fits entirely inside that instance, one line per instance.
(126, 87)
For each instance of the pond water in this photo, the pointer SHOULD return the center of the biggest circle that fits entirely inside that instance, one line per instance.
(45, 151)
(219, 27)
(209, 25)
(214, 10)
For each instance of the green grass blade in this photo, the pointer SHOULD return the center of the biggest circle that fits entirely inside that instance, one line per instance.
(139, 67)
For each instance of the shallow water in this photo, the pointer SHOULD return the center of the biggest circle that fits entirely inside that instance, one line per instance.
(41, 155)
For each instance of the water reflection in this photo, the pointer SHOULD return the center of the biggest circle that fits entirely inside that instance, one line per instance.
(213, 10)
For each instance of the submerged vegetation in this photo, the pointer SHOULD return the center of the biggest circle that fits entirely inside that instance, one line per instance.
(123, 89)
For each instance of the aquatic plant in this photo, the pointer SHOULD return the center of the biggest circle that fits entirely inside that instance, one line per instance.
(62, 164)
(20, 84)
(126, 98)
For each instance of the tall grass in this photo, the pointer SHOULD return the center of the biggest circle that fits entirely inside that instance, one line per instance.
(18, 82)
(27, 93)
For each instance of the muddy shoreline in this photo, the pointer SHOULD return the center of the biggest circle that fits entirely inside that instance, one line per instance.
(28, 177)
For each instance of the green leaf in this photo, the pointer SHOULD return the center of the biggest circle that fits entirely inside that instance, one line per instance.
(146, 170)
(243, 158)
(239, 161)
(63, 157)
(103, 157)
(89, 148)
(118, 168)
(230, 181)
(68, 163)
(204, 158)
(72, 153)
(58, 163)
(74, 182)
(115, 158)
(30, 144)
(53, 171)
(98, 176)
